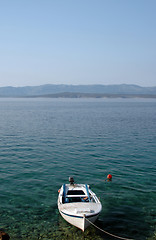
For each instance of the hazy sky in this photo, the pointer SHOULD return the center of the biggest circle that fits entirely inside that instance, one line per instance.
(77, 42)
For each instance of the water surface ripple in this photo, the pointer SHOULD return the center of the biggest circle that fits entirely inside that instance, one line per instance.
(44, 141)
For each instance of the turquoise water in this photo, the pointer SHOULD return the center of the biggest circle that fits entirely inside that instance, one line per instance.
(44, 141)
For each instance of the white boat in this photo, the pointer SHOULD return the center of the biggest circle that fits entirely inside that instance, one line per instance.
(78, 205)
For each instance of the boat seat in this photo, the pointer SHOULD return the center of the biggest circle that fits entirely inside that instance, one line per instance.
(82, 196)
(76, 199)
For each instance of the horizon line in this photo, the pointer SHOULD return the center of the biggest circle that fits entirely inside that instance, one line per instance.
(94, 84)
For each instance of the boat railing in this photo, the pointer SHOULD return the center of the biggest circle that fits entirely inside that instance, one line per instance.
(96, 198)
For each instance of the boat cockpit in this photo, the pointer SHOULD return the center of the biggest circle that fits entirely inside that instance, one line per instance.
(76, 195)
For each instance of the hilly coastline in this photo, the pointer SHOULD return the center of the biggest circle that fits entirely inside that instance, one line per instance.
(79, 91)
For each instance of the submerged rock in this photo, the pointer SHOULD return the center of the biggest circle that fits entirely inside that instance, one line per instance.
(4, 236)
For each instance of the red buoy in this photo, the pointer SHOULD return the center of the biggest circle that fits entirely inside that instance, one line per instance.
(109, 177)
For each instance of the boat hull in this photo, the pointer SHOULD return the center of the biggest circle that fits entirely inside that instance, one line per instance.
(80, 222)
(78, 205)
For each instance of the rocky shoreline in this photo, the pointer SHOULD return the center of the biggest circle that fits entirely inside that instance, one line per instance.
(4, 235)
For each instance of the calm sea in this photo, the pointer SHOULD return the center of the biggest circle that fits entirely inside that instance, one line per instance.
(44, 141)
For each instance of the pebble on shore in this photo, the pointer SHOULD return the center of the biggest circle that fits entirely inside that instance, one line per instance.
(4, 236)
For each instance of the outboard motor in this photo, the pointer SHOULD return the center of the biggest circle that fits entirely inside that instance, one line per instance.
(71, 180)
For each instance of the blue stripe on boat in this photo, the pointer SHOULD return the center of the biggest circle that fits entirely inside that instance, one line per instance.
(64, 191)
(80, 216)
(87, 192)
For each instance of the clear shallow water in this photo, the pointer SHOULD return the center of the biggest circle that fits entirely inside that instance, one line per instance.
(44, 141)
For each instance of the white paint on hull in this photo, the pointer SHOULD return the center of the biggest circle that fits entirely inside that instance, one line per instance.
(76, 213)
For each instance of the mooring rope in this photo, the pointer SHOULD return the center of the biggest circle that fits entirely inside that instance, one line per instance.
(108, 232)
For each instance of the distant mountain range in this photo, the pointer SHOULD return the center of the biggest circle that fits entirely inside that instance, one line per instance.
(62, 90)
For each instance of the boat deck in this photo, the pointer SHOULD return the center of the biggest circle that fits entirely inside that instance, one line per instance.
(80, 208)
